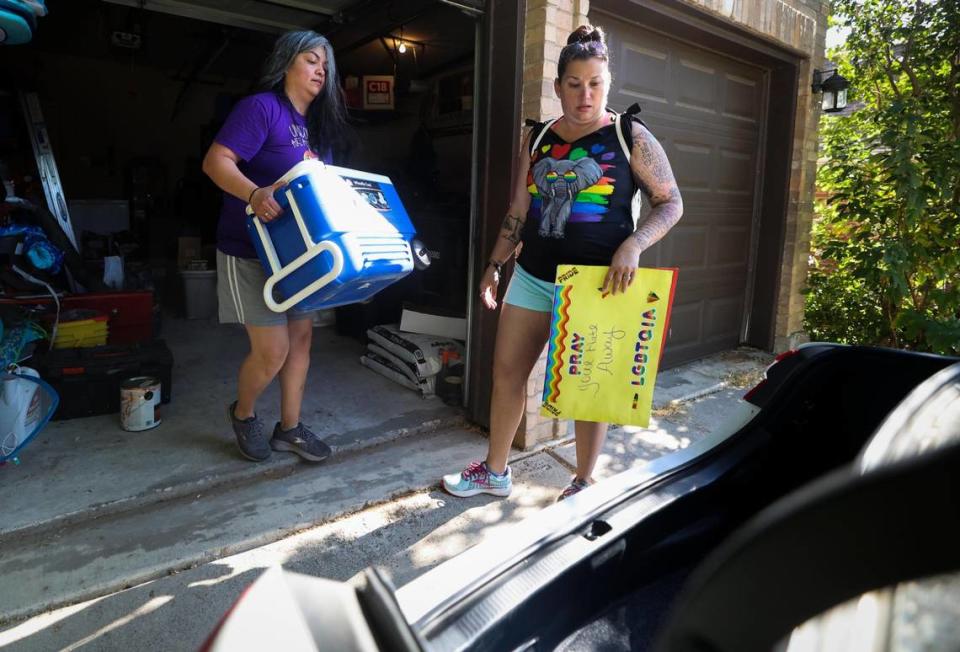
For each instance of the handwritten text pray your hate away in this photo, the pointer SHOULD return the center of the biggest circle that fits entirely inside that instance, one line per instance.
(593, 353)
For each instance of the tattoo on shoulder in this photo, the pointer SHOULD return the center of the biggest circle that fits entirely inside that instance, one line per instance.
(652, 157)
(646, 153)
(511, 228)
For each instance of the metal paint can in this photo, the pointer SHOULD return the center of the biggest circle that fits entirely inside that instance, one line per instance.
(140, 403)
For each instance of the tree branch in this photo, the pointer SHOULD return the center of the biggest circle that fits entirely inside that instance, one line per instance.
(892, 320)
(907, 50)
(952, 85)
(888, 69)
(879, 94)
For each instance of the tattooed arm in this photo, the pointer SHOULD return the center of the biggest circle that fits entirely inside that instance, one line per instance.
(510, 230)
(652, 173)
(509, 237)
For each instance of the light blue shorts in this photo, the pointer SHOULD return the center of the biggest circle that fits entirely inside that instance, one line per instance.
(527, 291)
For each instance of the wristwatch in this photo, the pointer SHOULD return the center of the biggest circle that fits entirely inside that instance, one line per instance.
(498, 267)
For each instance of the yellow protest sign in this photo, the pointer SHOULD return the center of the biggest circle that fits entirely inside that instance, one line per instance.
(604, 349)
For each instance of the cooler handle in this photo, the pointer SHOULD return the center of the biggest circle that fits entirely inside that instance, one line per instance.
(296, 264)
(313, 250)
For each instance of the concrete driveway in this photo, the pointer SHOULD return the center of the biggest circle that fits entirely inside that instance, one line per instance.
(132, 540)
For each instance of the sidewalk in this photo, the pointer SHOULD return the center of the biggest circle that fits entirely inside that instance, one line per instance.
(379, 506)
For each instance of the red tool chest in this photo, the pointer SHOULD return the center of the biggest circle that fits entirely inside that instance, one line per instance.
(130, 313)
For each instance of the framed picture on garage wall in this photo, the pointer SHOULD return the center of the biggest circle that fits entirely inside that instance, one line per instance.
(46, 165)
(378, 92)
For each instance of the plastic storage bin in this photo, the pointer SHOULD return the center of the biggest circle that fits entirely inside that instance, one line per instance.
(344, 236)
(80, 329)
(200, 293)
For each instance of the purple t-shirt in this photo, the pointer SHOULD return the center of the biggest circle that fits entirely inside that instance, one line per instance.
(270, 137)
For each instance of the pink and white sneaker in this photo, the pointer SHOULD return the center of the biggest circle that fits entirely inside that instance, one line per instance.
(575, 487)
(478, 479)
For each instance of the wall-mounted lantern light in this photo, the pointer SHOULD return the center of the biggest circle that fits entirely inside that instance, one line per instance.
(834, 90)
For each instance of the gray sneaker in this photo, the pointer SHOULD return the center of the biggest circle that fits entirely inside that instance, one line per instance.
(301, 441)
(250, 436)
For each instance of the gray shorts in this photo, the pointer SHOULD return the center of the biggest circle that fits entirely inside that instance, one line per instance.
(240, 294)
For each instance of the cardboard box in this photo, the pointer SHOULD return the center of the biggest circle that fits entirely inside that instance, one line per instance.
(430, 322)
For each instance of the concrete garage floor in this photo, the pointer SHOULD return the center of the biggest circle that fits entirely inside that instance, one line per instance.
(119, 540)
(82, 474)
(79, 467)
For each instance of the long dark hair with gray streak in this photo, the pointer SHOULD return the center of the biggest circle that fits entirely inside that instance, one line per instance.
(326, 117)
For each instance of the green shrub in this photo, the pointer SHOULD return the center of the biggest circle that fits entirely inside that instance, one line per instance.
(886, 242)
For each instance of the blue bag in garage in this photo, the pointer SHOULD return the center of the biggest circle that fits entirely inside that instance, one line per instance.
(344, 235)
(18, 20)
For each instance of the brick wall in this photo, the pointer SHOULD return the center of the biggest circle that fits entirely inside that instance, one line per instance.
(796, 24)
(548, 24)
(793, 272)
(799, 25)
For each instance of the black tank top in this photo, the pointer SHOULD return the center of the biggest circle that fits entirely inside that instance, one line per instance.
(581, 195)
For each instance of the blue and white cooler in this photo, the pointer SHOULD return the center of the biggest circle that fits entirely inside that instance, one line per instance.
(344, 235)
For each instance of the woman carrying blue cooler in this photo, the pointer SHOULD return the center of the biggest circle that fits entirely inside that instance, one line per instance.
(300, 115)
(572, 204)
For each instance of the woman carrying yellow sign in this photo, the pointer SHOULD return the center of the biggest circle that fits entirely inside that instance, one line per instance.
(573, 204)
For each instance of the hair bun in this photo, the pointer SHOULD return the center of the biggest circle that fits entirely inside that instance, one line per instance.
(586, 34)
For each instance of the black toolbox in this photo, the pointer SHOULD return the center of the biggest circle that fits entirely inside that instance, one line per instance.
(88, 379)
